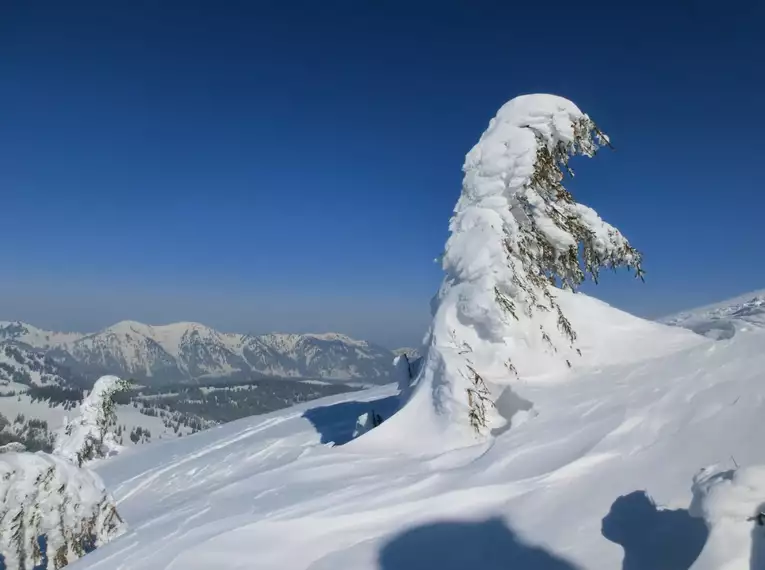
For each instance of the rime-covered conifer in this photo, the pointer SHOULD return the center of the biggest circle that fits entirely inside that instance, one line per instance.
(517, 237)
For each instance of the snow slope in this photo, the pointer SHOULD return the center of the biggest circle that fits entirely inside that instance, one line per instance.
(598, 473)
(724, 319)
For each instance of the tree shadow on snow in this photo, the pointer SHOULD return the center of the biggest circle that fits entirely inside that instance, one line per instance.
(336, 422)
(507, 405)
(484, 545)
(653, 539)
(757, 557)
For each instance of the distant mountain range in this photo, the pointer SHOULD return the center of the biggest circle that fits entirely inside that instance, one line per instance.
(186, 351)
(21, 367)
(724, 319)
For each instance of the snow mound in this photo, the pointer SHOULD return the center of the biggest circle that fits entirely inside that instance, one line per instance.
(606, 337)
(45, 496)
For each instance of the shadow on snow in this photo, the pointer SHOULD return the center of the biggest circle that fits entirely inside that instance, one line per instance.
(488, 545)
(757, 557)
(653, 539)
(336, 422)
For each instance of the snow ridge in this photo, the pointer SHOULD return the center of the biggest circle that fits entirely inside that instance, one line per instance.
(724, 319)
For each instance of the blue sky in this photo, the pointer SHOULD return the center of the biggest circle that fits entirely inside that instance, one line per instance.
(292, 166)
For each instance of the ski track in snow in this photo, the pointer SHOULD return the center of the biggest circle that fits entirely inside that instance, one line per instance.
(265, 493)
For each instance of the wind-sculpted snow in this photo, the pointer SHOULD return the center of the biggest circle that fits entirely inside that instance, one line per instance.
(584, 479)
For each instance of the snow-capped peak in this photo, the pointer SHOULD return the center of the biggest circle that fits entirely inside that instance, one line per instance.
(186, 350)
(332, 337)
(34, 336)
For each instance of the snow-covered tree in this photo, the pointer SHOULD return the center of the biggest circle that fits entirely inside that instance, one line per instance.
(366, 422)
(517, 238)
(90, 435)
(51, 510)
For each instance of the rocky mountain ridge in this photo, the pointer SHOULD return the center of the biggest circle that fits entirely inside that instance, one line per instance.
(185, 351)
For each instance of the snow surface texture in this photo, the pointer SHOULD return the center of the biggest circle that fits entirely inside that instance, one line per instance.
(45, 496)
(596, 476)
(723, 320)
(729, 501)
(88, 436)
(497, 316)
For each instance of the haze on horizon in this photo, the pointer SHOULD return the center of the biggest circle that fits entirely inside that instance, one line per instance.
(267, 167)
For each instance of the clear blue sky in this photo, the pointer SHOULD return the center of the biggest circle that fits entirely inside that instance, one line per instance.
(264, 165)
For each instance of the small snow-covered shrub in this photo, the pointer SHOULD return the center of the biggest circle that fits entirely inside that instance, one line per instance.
(12, 446)
(89, 435)
(731, 503)
(366, 422)
(51, 510)
(404, 376)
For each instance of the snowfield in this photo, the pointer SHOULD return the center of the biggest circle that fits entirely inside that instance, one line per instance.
(597, 473)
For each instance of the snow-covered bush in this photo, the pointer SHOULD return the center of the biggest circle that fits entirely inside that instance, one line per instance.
(516, 235)
(89, 435)
(51, 510)
(731, 503)
(366, 422)
(403, 373)
(13, 446)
